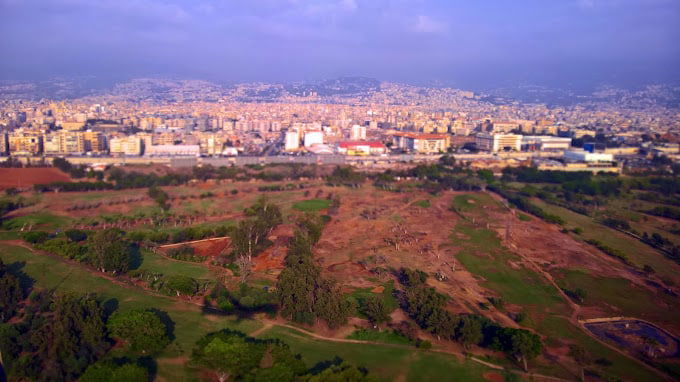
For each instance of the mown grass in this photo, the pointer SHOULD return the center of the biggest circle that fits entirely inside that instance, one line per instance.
(39, 221)
(483, 255)
(190, 322)
(312, 205)
(156, 263)
(386, 362)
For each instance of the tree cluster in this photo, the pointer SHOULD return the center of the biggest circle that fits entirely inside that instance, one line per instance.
(427, 307)
(304, 294)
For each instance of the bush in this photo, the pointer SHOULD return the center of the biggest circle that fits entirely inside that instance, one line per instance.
(181, 285)
(35, 237)
(76, 235)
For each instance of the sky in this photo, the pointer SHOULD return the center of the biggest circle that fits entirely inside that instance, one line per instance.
(466, 43)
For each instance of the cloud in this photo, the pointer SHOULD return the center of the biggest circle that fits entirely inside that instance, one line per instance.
(426, 24)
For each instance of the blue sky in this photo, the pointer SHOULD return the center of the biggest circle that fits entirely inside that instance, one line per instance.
(472, 43)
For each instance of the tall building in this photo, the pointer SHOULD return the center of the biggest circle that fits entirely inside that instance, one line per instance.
(357, 133)
(3, 143)
(22, 142)
(292, 141)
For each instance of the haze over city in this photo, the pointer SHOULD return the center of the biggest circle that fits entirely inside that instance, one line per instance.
(467, 44)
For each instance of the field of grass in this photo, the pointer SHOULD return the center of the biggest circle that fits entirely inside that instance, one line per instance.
(639, 253)
(312, 205)
(483, 255)
(156, 263)
(618, 292)
(39, 220)
(386, 362)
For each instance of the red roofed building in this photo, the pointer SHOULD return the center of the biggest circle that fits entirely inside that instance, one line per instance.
(361, 148)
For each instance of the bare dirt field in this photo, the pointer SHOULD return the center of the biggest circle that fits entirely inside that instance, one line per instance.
(27, 177)
(208, 248)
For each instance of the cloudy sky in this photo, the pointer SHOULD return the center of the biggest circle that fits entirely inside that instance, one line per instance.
(468, 43)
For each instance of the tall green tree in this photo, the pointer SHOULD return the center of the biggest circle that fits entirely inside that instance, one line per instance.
(143, 330)
(110, 251)
(525, 345)
(11, 293)
(375, 310)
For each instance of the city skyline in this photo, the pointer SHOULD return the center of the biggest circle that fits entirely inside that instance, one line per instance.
(576, 44)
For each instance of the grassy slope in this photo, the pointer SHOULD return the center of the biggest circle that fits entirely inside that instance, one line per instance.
(638, 252)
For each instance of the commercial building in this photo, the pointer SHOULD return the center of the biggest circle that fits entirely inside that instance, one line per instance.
(3, 143)
(545, 143)
(421, 142)
(498, 142)
(313, 138)
(130, 145)
(585, 156)
(361, 148)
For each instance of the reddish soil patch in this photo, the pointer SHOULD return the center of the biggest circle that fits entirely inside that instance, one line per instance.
(27, 177)
(493, 377)
(205, 248)
(273, 257)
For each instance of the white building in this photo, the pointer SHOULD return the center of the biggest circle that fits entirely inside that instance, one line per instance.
(586, 156)
(498, 142)
(130, 145)
(292, 141)
(313, 138)
(545, 143)
(358, 133)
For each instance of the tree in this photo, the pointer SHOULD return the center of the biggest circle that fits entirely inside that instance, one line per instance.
(110, 372)
(230, 356)
(343, 372)
(11, 293)
(469, 331)
(64, 343)
(110, 251)
(160, 197)
(143, 330)
(181, 285)
(525, 345)
(374, 308)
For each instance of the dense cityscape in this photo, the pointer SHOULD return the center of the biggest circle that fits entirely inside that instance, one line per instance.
(153, 120)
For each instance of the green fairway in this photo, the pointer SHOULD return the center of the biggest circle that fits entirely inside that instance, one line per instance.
(387, 362)
(156, 263)
(483, 255)
(386, 336)
(38, 221)
(312, 205)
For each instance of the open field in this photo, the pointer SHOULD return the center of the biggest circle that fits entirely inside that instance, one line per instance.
(473, 248)
(27, 177)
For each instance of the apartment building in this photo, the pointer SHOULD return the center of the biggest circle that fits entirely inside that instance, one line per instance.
(498, 142)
